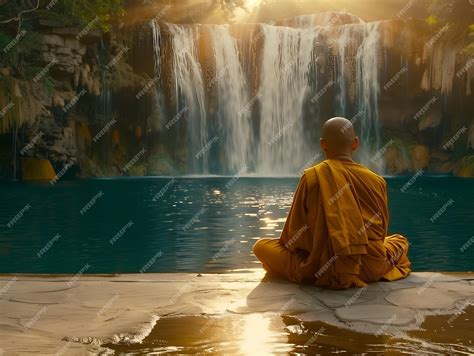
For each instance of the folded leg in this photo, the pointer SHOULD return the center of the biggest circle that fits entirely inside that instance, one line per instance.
(398, 265)
(279, 260)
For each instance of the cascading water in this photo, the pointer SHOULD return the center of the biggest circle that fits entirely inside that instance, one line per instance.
(190, 95)
(368, 89)
(158, 97)
(285, 82)
(224, 136)
(357, 97)
(230, 88)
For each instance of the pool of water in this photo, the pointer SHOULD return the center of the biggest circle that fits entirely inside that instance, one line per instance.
(202, 224)
(268, 334)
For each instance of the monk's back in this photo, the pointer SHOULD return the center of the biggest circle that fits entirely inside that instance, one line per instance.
(336, 231)
(370, 191)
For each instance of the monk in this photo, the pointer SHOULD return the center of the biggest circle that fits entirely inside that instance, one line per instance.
(335, 235)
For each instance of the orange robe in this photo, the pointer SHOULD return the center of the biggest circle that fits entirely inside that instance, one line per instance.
(335, 235)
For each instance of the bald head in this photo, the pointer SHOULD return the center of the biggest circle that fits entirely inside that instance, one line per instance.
(338, 137)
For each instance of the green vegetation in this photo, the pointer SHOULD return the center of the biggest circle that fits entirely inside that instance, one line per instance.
(458, 15)
(19, 41)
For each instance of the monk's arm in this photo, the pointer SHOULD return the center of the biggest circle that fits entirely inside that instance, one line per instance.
(295, 226)
(384, 208)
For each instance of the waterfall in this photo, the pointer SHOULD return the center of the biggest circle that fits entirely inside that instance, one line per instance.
(158, 98)
(156, 37)
(286, 76)
(343, 42)
(230, 89)
(189, 86)
(368, 90)
(286, 58)
(362, 42)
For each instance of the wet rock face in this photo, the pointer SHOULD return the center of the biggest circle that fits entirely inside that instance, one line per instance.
(420, 157)
(54, 141)
(65, 52)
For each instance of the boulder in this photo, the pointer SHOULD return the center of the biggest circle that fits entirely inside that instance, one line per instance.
(465, 167)
(37, 169)
(420, 155)
(396, 162)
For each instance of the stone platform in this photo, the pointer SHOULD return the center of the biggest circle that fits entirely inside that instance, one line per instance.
(68, 315)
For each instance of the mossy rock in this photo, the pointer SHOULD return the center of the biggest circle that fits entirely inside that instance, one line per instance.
(138, 170)
(465, 167)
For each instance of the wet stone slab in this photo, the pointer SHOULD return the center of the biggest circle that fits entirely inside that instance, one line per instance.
(47, 315)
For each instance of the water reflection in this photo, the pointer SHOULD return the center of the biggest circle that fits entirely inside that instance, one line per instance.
(250, 209)
(270, 334)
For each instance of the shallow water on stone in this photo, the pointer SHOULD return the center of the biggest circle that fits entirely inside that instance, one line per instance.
(206, 224)
(265, 334)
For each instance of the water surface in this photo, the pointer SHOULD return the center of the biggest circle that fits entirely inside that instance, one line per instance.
(202, 224)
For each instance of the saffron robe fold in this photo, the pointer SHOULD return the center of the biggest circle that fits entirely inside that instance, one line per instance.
(335, 235)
